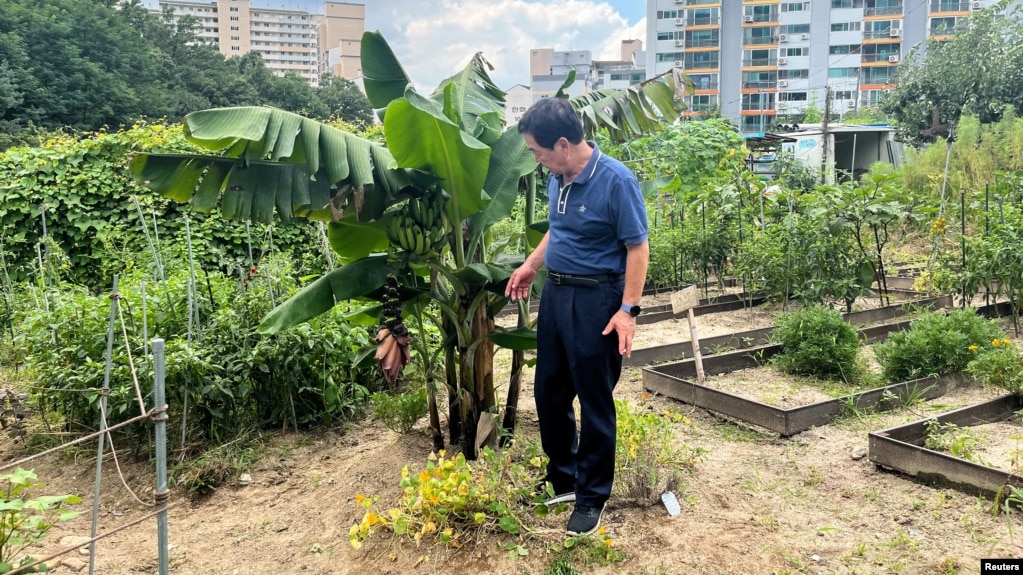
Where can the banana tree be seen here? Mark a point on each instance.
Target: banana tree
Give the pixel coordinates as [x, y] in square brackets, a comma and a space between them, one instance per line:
[413, 214]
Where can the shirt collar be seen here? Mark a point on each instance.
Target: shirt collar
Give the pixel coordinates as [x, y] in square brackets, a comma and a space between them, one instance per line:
[590, 167]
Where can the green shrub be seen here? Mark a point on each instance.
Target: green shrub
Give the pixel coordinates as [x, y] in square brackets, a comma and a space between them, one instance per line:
[25, 522]
[816, 341]
[936, 343]
[400, 411]
[999, 365]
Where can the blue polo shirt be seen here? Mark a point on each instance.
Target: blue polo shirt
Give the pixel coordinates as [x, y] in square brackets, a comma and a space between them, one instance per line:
[594, 217]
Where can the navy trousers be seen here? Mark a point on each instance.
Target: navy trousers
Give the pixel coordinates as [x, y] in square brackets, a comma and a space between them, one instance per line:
[575, 360]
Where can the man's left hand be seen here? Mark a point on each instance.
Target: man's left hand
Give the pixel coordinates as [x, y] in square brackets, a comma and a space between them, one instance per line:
[625, 325]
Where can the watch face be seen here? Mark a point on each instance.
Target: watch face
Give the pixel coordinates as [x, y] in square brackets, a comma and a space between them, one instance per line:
[634, 311]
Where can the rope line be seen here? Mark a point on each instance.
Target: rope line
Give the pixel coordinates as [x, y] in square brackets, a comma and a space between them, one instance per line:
[82, 439]
[131, 362]
[117, 462]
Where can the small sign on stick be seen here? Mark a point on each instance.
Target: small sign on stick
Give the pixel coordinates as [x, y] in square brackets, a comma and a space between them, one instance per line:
[684, 300]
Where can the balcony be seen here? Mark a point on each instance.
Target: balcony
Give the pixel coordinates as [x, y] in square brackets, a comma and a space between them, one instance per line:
[703, 43]
[949, 6]
[707, 21]
[773, 61]
[882, 10]
[771, 16]
[702, 64]
[883, 33]
[759, 85]
[759, 40]
[883, 57]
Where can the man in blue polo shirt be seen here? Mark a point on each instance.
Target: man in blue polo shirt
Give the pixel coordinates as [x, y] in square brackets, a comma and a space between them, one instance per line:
[596, 253]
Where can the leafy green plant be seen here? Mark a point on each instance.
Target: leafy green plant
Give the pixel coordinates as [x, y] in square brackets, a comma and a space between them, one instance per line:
[399, 411]
[961, 442]
[648, 459]
[450, 497]
[26, 521]
[936, 343]
[816, 341]
[998, 364]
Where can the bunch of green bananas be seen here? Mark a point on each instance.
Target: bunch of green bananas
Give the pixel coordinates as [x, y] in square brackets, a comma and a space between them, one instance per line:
[420, 227]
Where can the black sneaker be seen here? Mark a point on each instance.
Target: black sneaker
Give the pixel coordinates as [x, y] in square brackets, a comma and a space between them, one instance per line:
[585, 520]
[548, 494]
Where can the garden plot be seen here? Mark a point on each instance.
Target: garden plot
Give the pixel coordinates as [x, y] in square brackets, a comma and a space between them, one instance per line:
[986, 433]
[798, 409]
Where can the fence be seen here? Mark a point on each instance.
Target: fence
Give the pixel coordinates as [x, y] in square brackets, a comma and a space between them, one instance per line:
[157, 415]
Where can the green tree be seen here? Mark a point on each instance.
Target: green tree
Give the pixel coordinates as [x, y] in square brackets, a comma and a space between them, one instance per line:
[978, 71]
[449, 152]
[344, 100]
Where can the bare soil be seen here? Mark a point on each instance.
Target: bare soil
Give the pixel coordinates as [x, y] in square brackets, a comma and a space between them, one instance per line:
[758, 504]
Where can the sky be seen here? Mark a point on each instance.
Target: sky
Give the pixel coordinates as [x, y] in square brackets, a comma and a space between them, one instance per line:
[435, 38]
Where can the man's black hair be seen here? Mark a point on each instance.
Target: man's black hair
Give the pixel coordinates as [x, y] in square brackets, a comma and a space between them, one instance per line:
[551, 119]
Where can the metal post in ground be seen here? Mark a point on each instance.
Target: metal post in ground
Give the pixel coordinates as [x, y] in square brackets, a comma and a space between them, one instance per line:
[160, 419]
[102, 424]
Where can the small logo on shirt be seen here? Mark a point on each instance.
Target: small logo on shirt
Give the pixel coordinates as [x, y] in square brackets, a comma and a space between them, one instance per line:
[582, 208]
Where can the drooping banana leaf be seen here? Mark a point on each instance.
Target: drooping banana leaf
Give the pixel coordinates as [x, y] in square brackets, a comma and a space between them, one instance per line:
[475, 102]
[635, 110]
[274, 160]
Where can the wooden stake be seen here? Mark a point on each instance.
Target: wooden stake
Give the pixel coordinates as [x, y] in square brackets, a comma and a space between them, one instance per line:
[697, 357]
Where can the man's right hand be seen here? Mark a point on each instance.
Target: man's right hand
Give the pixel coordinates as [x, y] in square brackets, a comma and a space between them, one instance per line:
[520, 282]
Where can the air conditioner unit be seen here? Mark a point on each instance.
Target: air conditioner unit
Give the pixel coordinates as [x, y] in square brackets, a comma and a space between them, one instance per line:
[976, 5]
[747, 18]
[783, 83]
[678, 63]
[893, 58]
[679, 42]
[895, 32]
[804, 36]
[679, 21]
[783, 61]
[783, 37]
[851, 103]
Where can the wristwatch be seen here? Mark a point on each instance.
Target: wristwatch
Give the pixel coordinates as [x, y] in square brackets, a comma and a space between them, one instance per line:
[632, 310]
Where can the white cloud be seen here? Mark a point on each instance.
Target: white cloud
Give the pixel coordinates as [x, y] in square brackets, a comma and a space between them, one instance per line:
[435, 38]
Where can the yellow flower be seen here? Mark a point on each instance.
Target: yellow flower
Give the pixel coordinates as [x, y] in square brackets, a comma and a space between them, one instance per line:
[995, 342]
[1006, 342]
[973, 348]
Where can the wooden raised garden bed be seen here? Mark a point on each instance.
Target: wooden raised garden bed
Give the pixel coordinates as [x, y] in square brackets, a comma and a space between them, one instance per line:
[759, 337]
[677, 380]
[902, 448]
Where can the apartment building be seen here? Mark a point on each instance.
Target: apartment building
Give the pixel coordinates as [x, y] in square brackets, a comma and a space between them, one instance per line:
[757, 59]
[287, 40]
[548, 71]
[628, 70]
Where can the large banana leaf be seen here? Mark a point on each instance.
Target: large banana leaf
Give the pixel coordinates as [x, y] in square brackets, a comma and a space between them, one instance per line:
[472, 100]
[635, 110]
[356, 279]
[422, 137]
[383, 77]
[268, 157]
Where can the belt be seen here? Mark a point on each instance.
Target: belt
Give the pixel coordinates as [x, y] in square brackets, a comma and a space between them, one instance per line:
[559, 279]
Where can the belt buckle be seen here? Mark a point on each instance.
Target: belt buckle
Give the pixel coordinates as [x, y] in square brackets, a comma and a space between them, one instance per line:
[555, 278]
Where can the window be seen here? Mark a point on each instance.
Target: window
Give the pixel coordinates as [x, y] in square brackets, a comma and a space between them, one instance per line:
[234, 18]
[843, 95]
[702, 38]
[793, 74]
[235, 38]
[943, 26]
[842, 72]
[701, 60]
[791, 52]
[847, 3]
[703, 102]
[665, 14]
[845, 27]
[796, 29]
[792, 96]
[764, 101]
[668, 56]
[235, 48]
[704, 81]
[234, 8]
[795, 6]
[234, 29]
[665, 35]
[844, 49]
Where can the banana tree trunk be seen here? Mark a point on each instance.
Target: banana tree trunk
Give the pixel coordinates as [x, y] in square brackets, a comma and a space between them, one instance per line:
[476, 386]
[511, 409]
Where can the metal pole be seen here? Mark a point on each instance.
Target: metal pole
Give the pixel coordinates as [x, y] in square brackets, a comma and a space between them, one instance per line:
[102, 425]
[162, 493]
